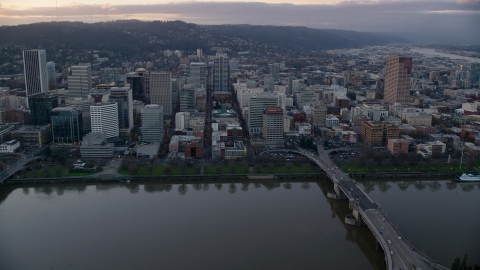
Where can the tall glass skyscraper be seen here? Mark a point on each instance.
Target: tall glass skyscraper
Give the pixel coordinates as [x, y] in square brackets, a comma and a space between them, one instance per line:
[41, 106]
[67, 125]
[35, 67]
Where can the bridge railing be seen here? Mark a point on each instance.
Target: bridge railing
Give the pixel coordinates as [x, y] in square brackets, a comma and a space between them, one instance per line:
[379, 237]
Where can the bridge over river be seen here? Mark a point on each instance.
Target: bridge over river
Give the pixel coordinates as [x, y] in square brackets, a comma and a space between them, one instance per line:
[399, 254]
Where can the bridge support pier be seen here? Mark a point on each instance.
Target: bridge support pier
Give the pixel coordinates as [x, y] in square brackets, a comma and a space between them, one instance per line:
[355, 218]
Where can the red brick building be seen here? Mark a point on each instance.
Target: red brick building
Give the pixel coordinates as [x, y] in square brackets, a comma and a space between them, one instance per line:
[194, 150]
[397, 146]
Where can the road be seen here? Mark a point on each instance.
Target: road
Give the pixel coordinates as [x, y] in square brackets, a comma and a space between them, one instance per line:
[24, 159]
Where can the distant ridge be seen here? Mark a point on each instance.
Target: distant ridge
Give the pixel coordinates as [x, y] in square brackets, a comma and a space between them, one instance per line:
[130, 36]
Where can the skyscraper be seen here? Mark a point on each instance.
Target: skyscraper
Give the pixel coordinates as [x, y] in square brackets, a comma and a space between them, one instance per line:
[123, 97]
[67, 125]
[35, 67]
[161, 90]
[221, 73]
[273, 126]
[52, 76]
[187, 98]
[41, 106]
[108, 75]
[152, 123]
[255, 114]
[397, 79]
[196, 73]
[105, 119]
[80, 82]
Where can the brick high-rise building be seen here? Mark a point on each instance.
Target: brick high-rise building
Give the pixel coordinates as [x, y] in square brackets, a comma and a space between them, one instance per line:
[397, 79]
[273, 126]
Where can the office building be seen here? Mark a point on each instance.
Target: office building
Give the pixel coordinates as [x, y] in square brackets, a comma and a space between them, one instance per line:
[255, 112]
[161, 90]
[41, 106]
[123, 97]
[80, 81]
[104, 119]
[67, 125]
[319, 115]
[275, 71]
[35, 68]
[9, 147]
[108, 75]
[32, 135]
[332, 121]
[94, 145]
[152, 123]
[273, 127]
[397, 79]
[187, 98]
[84, 105]
[197, 73]
[51, 73]
[182, 120]
[137, 82]
[221, 73]
[378, 133]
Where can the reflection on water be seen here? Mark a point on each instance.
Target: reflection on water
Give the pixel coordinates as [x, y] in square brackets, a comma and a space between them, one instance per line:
[440, 216]
[241, 225]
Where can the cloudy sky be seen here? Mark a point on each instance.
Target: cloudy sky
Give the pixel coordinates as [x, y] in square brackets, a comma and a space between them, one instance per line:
[454, 20]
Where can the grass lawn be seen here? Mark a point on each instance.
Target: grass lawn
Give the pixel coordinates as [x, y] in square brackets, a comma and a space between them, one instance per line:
[80, 173]
[158, 170]
[48, 171]
[212, 169]
[355, 168]
[293, 169]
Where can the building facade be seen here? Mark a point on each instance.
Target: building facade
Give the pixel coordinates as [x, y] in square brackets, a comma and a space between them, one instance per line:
[221, 73]
[104, 118]
[273, 127]
[51, 73]
[124, 99]
[80, 81]
[35, 68]
[187, 98]
[197, 73]
[41, 106]
[256, 110]
[319, 116]
[152, 123]
[397, 79]
[161, 90]
[67, 125]
[378, 133]
[94, 145]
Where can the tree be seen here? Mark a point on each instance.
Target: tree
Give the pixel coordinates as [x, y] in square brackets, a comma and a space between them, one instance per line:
[218, 169]
[306, 166]
[456, 264]
[370, 164]
[48, 151]
[167, 169]
[132, 168]
[270, 166]
[62, 159]
[257, 168]
[150, 168]
[289, 166]
[232, 165]
[386, 163]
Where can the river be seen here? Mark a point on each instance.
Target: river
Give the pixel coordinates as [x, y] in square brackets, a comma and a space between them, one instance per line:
[267, 225]
[433, 52]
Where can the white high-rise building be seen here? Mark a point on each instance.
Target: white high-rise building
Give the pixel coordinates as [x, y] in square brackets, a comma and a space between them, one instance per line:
[152, 123]
[161, 90]
[221, 73]
[80, 82]
[244, 95]
[255, 113]
[182, 120]
[197, 73]
[52, 75]
[105, 119]
[35, 67]
[123, 97]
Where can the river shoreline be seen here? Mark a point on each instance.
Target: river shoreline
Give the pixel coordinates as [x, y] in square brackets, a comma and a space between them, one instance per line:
[222, 177]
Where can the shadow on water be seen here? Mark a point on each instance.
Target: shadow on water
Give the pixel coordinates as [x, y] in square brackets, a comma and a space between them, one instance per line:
[361, 236]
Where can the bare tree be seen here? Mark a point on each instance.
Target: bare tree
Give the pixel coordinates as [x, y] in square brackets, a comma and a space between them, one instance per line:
[150, 168]
[232, 164]
[133, 168]
[167, 169]
[270, 166]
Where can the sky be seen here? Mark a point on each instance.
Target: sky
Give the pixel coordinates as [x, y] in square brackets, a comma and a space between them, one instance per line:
[450, 20]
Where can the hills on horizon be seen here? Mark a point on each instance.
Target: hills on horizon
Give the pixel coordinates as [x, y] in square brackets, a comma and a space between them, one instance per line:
[129, 36]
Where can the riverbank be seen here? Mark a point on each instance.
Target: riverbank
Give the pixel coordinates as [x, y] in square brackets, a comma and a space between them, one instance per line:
[222, 177]
[166, 178]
